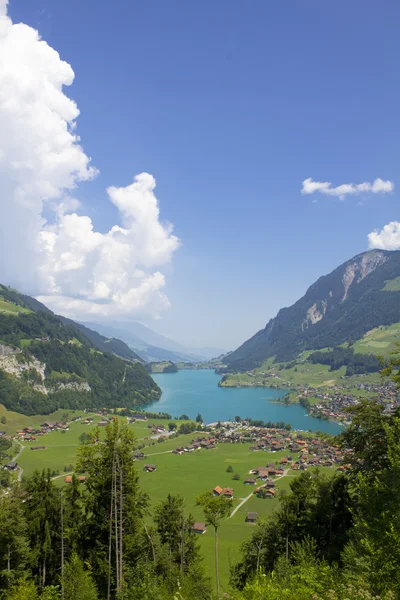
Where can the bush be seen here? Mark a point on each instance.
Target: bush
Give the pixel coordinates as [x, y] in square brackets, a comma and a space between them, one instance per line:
[229, 469]
[236, 476]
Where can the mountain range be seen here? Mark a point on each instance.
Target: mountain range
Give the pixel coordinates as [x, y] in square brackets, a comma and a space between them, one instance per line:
[359, 295]
[152, 346]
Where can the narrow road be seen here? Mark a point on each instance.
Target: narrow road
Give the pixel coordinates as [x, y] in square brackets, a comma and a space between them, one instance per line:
[155, 453]
[239, 505]
[250, 495]
[15, 459]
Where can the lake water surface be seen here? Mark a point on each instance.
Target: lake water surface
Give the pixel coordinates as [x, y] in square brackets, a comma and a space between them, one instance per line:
[193, 392]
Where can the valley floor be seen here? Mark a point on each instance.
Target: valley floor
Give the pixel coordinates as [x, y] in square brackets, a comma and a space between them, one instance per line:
[188, 474]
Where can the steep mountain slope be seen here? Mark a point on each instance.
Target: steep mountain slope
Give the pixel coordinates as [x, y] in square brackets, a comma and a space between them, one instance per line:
[361, 294]
[47, 362]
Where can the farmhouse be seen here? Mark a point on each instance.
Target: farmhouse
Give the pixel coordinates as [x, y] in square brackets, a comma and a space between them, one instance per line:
[227, 492]
[250, 481]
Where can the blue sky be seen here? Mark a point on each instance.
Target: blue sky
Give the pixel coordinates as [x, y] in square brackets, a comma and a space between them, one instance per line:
[230, 105]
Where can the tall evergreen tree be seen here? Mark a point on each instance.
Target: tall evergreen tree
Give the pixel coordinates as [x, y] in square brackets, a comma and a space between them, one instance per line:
[14, 545]
[114, 504]
[42, 511]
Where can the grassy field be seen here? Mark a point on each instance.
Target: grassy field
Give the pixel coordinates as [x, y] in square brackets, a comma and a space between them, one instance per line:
[11, 309]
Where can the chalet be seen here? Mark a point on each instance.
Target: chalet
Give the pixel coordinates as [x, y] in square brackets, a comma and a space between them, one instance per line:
[279, 471]
[82, 479]
[139, 417]
[68, 479]
[139, 455]
[102, 423]
[251, 517]
[257, 469]
[250, 481]
[150, 468]
[270, 493]
[217, 491]
[263, 474]
[270, 483]
[199, 528]
[49, 425]
[11, 466]
[227, 492]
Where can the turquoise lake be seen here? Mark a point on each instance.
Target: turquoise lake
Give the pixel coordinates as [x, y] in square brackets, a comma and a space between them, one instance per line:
[193, 392]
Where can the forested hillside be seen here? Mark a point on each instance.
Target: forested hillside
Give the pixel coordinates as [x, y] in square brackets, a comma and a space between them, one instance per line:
[358, 296]
[47, 362]
[26, 304]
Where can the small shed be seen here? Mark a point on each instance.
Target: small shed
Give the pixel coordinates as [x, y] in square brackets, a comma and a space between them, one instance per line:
[251, 517]
[150, 468]
[199, 528]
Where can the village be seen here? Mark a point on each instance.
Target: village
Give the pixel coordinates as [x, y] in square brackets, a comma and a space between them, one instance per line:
[335, 401]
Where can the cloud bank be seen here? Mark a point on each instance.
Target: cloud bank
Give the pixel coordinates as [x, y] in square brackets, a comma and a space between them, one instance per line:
[325, 187]
[60, 258]
[388, 238]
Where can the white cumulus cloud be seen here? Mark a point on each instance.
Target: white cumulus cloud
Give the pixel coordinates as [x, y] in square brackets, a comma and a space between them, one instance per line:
[388, 238]
[62, 259]
[325, 187]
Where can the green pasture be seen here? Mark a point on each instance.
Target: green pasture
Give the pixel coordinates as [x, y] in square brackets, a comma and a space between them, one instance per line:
[381, 341]
[192, 473]
[9, 308]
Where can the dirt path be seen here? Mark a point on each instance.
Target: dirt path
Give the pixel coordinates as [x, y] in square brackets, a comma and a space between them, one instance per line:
[250, 495]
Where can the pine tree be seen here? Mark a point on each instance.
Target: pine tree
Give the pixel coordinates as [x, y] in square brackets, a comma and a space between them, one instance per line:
[14, 545]
[42, 511]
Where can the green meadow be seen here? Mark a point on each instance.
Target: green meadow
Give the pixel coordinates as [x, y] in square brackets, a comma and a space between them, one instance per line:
[9, 308]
